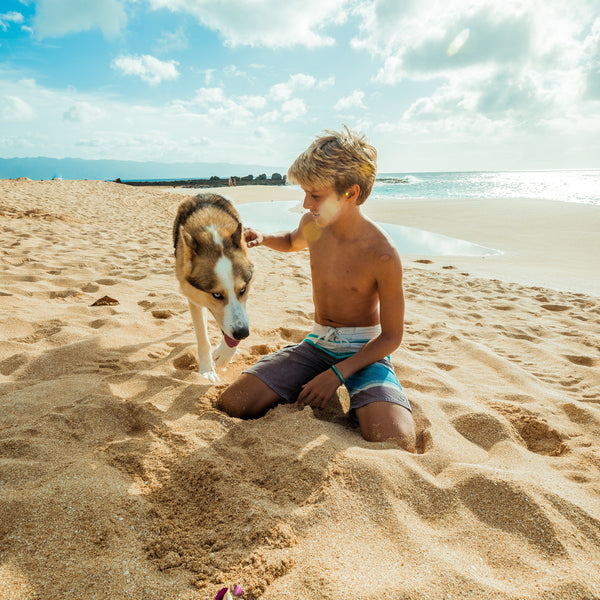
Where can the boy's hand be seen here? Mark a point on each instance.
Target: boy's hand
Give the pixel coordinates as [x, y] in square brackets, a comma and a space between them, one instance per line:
[320, 390]
[252, 238]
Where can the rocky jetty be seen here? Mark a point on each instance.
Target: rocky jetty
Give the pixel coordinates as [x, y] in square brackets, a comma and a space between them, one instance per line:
[214, 181]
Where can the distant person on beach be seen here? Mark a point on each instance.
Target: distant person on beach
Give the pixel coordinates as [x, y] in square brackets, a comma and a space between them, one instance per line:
[357, 294]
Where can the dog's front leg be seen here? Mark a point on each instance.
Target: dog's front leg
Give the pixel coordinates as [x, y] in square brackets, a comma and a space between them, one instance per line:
[206, 367]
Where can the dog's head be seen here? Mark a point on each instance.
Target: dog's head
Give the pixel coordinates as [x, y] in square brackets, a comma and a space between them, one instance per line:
[214, 271]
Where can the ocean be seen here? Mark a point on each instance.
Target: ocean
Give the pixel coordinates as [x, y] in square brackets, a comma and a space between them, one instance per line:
[580, 186]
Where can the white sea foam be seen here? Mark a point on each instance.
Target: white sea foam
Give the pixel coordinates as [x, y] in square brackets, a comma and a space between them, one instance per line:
[580, 186]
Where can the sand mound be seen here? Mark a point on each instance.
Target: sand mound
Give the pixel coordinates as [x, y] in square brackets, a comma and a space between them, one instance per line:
[121, 479]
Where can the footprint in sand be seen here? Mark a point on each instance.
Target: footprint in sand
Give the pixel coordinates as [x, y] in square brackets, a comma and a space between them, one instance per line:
[582, 361]
[18, 448]
[580, 415]
[292, 335]
[506, 506]
[262, 349]
[110, 364]
[538, 436]
[42, 330]
[445, 366]
[556, 307]
[13, 363]
[502, 307]
[108, 281]
[483, 429]
[187, 361]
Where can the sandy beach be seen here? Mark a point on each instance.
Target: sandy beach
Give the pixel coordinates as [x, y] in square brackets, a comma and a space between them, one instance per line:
[120, 479]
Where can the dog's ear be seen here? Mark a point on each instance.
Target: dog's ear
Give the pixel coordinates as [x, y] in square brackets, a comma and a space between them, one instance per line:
[190, 246]
[237, 236]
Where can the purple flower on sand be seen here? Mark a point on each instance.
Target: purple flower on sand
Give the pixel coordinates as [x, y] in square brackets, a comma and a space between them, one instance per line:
[221, 594]
[225, 594]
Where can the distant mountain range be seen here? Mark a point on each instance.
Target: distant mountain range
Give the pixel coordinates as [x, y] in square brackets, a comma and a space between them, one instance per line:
[77, 168]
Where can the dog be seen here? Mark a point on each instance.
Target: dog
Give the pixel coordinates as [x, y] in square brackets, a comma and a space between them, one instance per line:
[214, 273]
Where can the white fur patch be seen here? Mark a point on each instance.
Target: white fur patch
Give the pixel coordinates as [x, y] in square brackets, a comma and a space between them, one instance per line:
[224, 271]
[216, 236]
[235, 315]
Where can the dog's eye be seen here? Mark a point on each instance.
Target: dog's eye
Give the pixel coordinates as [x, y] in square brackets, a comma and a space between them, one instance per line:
[242, 291]
[218, 296]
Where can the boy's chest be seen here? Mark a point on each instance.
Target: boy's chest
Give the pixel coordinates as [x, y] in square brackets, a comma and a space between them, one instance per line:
[344, 266]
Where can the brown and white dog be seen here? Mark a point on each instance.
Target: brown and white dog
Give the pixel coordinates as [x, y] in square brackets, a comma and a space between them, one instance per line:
[214, 273]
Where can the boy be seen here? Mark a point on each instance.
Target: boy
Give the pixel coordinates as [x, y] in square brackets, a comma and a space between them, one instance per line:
[357, 295]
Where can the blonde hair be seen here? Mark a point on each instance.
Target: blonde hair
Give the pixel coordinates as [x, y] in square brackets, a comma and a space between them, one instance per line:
[338, 160]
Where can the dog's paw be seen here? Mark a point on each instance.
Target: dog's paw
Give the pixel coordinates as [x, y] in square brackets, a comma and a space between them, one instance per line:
[206, 368]
[210, 375]
[222, 354]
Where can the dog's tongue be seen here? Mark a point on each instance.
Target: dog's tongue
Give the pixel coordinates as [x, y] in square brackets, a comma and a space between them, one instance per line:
[230, 342]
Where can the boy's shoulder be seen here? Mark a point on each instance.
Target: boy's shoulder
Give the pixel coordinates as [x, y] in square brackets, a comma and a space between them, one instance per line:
[376, 250]
[377, 236]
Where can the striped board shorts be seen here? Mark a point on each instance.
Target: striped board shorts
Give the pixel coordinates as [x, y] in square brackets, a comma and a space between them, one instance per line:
[287, 370]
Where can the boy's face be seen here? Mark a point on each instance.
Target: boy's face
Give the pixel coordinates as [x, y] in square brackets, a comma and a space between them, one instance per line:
[324, 204]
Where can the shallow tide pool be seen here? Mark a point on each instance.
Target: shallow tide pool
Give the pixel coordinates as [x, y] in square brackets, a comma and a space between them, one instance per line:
[281, 216]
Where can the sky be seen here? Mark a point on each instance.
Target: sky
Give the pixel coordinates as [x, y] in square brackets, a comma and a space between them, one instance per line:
[450, 85]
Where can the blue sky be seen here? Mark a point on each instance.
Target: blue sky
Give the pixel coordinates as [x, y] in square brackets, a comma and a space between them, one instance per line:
[435, 85]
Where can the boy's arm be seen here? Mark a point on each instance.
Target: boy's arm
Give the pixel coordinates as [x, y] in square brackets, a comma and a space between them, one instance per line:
[388, 273]
[284, 241]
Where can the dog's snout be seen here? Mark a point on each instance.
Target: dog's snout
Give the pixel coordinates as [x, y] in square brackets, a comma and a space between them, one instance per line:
[240, 333]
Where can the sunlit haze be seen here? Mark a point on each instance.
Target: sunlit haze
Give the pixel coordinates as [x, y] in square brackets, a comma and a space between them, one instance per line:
[436, 86]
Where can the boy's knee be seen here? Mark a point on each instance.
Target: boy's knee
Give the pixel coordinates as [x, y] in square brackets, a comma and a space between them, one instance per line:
[382, 421]
[231, 402]
[247, 398]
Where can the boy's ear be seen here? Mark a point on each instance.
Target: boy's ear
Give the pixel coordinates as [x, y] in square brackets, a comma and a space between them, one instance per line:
[352, 192]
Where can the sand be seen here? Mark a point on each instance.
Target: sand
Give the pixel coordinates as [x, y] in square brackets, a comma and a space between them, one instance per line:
[120, 479]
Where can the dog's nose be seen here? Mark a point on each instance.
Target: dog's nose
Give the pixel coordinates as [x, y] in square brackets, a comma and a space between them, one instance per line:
[240, 333]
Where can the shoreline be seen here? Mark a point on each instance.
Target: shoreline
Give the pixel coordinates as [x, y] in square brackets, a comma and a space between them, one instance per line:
[527, 231]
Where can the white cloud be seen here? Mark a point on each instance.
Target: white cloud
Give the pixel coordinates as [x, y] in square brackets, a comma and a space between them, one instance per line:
[55, 18]
[11, 17]
[213, 104]
[283, 91]
[495, 67]
[210, 127]
[326, 83]
[270, 23]
[209, 75]
[149, 68]
[292, 109]
[213, 95]
[426, 41]
[233, 71]
[14, 108]
[253, 102]
[83, 112]
[591, 49]
[355, 100]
